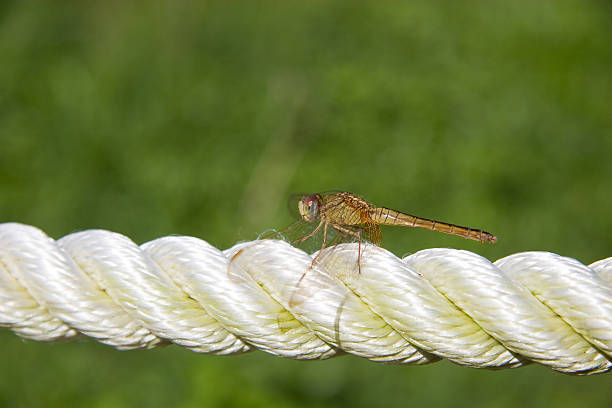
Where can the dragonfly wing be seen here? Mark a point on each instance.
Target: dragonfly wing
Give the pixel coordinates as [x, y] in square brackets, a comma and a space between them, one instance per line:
[371, 232]
[368, 231]
[288, 233]
[301, 234]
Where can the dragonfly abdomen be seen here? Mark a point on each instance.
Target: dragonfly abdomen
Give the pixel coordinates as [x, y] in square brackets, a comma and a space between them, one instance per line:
[387, 216]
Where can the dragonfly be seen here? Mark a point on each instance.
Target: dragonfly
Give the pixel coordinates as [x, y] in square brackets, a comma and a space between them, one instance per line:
[348, 217]
[351, 216]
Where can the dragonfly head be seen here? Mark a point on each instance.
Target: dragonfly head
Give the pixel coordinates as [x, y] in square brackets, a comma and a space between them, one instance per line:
[310, 207]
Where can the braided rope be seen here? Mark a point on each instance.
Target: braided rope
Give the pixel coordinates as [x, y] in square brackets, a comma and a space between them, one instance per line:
[437, 303]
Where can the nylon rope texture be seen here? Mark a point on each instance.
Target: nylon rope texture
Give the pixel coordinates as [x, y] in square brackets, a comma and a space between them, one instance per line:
[530, 307]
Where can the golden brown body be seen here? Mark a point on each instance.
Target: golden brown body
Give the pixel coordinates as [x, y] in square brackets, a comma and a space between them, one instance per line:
[350, 214]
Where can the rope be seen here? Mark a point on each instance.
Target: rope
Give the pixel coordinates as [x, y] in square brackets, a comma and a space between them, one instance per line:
[435, 304]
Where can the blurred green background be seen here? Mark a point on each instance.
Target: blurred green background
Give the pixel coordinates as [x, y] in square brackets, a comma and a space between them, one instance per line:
[200, 118]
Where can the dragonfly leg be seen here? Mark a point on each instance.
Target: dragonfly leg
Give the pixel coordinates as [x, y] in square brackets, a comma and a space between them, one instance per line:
[322, 246]
[312, 233]
[324, 236]
[316, 258]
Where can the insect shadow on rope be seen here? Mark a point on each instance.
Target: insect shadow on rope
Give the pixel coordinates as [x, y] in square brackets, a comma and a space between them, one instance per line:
[288, 319]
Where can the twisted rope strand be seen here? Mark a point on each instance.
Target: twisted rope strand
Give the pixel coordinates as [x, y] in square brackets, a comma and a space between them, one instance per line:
[435, 304]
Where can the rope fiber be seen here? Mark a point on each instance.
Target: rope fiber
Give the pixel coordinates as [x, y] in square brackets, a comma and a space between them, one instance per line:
[530, 307]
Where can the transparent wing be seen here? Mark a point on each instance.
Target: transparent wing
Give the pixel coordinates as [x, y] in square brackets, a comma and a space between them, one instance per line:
[291, 232]
[371, 232]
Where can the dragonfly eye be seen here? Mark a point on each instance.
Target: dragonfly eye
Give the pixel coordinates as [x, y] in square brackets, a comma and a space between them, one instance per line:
[314, 210]
[308, 207]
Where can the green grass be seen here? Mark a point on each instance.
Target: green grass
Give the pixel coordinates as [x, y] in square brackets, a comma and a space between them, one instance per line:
[169, 118]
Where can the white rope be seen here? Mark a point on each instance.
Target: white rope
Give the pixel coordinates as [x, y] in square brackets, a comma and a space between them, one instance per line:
[437, 303]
